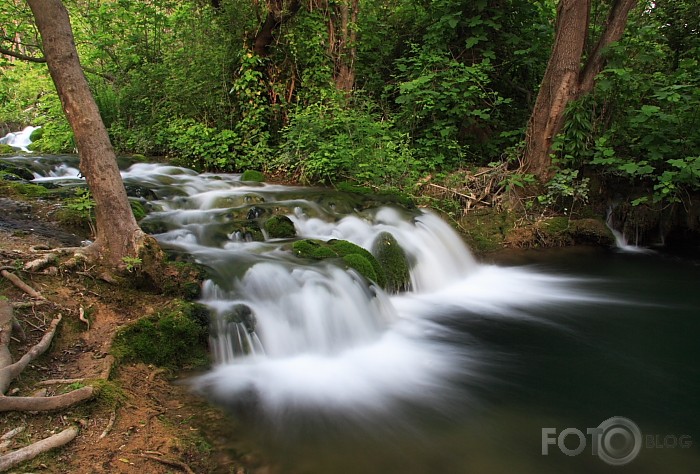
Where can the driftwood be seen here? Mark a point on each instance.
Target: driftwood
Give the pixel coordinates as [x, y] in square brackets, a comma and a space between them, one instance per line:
[33, 450]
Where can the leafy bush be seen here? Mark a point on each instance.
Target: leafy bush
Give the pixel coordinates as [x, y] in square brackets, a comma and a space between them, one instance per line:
[330, 143]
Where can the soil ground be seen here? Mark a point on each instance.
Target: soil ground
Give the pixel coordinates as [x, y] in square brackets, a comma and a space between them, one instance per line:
[155, 413]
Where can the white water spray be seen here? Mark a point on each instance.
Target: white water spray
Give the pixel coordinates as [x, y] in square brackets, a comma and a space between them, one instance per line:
[19, 140]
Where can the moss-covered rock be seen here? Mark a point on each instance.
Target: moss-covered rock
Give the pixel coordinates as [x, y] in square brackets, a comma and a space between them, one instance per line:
[392, 259]
[138, 209]
[175, 337]
[362, 265]
[253, 175]
[352, 256]
[280, 227]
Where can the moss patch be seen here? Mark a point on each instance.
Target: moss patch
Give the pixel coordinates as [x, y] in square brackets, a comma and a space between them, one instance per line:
[175, 337]
[392, 259]
[253, 175]
[280, 227]
[352, 255]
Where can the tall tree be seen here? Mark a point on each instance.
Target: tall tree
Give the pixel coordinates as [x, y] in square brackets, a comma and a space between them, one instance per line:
[118, 234]
[567, 77]
[343, 40]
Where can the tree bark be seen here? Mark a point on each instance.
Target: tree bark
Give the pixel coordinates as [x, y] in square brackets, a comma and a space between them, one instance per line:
[118, 234]
[277, 14]
[345, 48]
[564, 79]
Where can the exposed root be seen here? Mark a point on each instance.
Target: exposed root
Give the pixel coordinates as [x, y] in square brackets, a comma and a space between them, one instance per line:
[169, 462]
[81, 316]
[110, 425]
[40, 263]
[33, 450]
[17, 281]
[58, 402]
[11, 371]
[44, 383]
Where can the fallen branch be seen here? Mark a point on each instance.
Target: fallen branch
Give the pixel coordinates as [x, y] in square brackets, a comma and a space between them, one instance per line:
[169, 462]
[10, 372]
[17, 281]
[58, 402]
[33, 450]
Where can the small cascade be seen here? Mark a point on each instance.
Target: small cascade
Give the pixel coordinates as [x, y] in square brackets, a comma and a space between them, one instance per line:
[621, 241]
[19, 140]
[292, 332]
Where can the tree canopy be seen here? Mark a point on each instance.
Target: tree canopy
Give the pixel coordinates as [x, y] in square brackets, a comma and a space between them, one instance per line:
[378, 93]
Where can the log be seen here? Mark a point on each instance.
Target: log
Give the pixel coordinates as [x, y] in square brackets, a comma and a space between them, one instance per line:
[10, 460]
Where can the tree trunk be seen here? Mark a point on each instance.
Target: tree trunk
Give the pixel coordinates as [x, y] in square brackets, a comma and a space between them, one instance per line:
[564, 79]
[118, 234]
[345, 44]
[277, 14]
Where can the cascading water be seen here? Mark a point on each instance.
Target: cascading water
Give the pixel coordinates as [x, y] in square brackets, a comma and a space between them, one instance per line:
[20, 139]
[312, 335]
[326, 372]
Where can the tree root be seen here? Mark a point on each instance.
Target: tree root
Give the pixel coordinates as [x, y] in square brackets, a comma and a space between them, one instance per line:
[110, 424]
[169, 462]
[17, 281]
[10, 372]
[58, 402]
[33, 450]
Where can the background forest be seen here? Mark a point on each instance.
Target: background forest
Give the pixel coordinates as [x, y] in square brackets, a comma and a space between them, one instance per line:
[380, 93]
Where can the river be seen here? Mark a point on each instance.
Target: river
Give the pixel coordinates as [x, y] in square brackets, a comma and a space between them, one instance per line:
[576, 360]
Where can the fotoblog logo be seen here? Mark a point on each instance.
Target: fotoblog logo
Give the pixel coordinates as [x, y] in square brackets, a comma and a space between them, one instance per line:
[617, 440]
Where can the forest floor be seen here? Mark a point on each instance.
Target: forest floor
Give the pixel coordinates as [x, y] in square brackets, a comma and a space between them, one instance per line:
[144, 419]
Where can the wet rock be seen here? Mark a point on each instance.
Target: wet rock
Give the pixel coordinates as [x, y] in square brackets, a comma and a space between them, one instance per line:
[393, 260]
[279, 227]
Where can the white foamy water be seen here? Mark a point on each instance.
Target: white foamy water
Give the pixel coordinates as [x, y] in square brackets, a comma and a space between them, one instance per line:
[291, 333]
[20, 139]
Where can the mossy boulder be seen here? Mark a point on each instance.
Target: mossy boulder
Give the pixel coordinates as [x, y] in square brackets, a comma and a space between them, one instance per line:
[351, 254]
[392, 259]
[279, 227]
[6, 149]
[253, 175]
[175, 337]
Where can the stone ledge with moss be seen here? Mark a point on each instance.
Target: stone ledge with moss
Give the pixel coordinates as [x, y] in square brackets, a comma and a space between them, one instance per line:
[253, 176]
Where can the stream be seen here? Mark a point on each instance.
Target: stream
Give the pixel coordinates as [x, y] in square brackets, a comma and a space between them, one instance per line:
[479, 367]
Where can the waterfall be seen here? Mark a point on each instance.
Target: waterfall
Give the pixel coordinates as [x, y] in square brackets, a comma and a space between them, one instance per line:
[621, 241]
[19, 140]
[296, 334]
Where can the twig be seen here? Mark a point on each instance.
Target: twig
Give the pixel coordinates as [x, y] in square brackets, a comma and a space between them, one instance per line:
[29, 304]
[169, 462]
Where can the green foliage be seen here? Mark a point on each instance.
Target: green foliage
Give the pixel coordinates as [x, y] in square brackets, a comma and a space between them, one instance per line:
[131, 263]
[174, 337]
[565, 190]
[328, 142]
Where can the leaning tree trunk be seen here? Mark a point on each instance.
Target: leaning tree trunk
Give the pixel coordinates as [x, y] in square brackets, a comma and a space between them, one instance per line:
[118, 234]
[565, 79]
